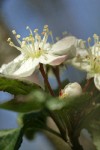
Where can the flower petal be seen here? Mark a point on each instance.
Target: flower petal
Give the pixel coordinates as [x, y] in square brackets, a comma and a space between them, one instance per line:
[38, 79]
[97, 81]
[10, 68]
[20, 67]
[90, 75]
[52, 59]
[83, 53]
[27, 67]
[79, 64]
[71, 90]
[65, 46]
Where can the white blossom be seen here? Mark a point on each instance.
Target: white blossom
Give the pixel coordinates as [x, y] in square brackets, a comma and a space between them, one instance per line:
[35, 50]
[67, 45]
[89, 60]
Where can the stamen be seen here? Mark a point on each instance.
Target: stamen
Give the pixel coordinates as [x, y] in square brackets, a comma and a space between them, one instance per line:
[28, 28]
[18, 36]
[11, 44]
[32, 46]
[9, 39]
[45, 26]
[36, 30]
[89, 41]
[96, 38]
[14, 32]
[23, 44]
[51, 37]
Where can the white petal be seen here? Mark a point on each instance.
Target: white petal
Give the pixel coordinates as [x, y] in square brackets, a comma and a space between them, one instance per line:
[73, 89]
[82, 52]
[95, 50]
[38, 79]
[10, 68]
[97, 81]
[47, 46]
[27, 67]
[52, 59]
[85, 66]
[90, 75]
[63, 46]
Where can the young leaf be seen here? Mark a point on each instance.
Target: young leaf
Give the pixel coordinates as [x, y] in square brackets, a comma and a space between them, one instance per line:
[22, 103]
[8, 139]
[33, 122]
[15, 86]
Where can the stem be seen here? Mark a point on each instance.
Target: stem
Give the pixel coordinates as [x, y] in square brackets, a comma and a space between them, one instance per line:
[87, 85]
[52, 115]
[46, 79]
[61, 129]
[56, 72]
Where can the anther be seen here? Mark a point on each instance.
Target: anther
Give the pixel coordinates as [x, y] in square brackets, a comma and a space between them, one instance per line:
[13, 31]
[27, 27]
[18, 36]
[36, 30]
[9, 39]
[45, 26]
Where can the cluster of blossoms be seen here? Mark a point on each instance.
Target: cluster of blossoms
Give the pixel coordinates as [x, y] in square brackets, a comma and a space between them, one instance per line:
[35, 50]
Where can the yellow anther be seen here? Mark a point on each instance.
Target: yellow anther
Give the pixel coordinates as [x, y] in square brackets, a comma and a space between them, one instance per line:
[89, 39]
[9, 39]
[13, 31]
[96, 38]
[27, 27]
[18, 36]
[45, 26]
[36, 30]
[11, 44]
[23, 43]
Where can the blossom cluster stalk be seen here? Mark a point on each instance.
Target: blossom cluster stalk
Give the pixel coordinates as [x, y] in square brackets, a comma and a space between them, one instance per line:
[46, 80]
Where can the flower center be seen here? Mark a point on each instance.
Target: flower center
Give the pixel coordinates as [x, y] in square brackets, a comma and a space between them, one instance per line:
[94, 55]
[34, 45]
[95, 64]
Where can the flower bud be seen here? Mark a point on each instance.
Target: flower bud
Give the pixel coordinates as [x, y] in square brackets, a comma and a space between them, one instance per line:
[70, 90]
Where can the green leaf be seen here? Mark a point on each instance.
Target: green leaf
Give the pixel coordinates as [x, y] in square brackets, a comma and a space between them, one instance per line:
[8, 139]
[15, 86]
[22, 103]
[33, 122]
[55, 104]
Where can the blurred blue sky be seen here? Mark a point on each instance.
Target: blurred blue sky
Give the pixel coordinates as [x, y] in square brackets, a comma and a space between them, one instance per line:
[78, 17]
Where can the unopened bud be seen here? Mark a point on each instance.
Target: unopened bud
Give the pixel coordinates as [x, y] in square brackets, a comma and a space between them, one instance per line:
[71, 90]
